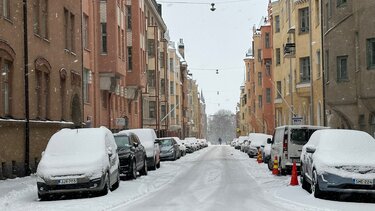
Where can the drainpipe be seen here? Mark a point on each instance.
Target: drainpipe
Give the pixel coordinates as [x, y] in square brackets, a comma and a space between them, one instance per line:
[311, 69]
[322, 54]
[26, 87]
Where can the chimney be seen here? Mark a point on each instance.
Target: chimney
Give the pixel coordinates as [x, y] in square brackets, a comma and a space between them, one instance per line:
[181, 48]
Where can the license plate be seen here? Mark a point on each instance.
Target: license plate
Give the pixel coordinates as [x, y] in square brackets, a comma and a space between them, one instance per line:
[363, 181]
[67, 181]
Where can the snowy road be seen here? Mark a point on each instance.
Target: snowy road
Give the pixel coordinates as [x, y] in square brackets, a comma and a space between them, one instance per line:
[215, 178]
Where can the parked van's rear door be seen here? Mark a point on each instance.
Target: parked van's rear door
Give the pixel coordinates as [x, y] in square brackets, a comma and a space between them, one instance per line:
[298, 138]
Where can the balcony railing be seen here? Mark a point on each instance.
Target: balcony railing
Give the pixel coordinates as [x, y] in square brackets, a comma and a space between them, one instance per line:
[290, 50]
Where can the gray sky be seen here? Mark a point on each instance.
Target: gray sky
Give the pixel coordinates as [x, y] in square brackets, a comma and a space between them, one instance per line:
[215, 40]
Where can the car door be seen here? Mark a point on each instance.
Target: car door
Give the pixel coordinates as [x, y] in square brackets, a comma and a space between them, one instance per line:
[137, 150]
[111, 148]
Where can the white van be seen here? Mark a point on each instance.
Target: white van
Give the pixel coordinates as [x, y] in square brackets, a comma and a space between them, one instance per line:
[287, 144]
[148, 137]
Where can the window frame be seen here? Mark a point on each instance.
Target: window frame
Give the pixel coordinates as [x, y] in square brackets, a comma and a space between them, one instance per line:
[340, 76]
[370, 53]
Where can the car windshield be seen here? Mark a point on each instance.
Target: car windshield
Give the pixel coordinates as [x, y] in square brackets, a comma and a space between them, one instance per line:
[301, 136]
[165, 142]
[122, 141]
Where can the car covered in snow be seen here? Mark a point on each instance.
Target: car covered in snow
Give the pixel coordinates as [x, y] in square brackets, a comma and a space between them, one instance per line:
[169, 149]
[241, 140]
[148, 137]
[338, 160]
[181, 145]
[258, 142]
[132, 154]
[78, 160]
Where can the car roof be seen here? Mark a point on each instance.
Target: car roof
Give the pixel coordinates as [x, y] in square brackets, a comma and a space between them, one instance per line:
[303, 127]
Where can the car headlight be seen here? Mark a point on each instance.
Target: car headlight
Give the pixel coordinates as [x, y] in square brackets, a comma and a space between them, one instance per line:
[171, 150]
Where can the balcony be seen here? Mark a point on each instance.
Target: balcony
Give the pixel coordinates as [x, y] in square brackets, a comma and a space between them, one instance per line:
[290, 50]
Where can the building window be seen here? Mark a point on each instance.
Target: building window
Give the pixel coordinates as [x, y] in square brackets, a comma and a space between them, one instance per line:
[248, 75]
[340, 2]
[162, 86]
[279, 90]
[151, 48]
[6, 9]
[260, 101]
[41, 18]
[129, 17]
[163, 111]
[342, 68]
[152, 109]
[151, 78]
[130, 60]
[278, 56]
[259, 78]
[259, 55]
[304, 20]
[63, 96]
[171, 66]
[362, 122]
[371, 53]
[69, 31]
[171, 87]
[277, 23]
[86, 85]
[85, 31]
[104, 99]
[267, 40]
[304, 69]
[161, 57]
[5, 82]
[317, 12]
[42, 82]
[173, 113]
[268, 66]
[268, 95]
[104, 37]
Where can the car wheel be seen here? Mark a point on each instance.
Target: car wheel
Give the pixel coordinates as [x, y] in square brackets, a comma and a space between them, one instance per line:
[158, 165]
[133, 173]
[144, 169]
[270, 165]
[315, 186]
[117, 183]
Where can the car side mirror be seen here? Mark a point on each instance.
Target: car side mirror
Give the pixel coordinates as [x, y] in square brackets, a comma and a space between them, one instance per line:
[157, 141]
[135, 144]
[109, 151]
[310, 149]
[269, 141]
[262, 146]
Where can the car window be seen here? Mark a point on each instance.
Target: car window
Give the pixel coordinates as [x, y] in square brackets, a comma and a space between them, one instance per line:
[122, 141]
[301, 136]
[166, 142]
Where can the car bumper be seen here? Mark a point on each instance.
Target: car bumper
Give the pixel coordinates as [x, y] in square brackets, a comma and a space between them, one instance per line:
[125, 165]
[252, 152]
[335, 183]
[82, 185]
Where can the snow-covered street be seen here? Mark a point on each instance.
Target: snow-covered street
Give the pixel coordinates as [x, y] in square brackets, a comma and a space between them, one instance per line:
[214, 178]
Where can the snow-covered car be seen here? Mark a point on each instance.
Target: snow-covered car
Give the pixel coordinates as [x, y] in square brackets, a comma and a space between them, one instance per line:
[132, 154]
[266, 154]
[338, 160]
[169, 149]
[148, 137]
[246, 146]
[240, 141]
[258, 142]
[78, 160]
[192, 144]
[182, 146]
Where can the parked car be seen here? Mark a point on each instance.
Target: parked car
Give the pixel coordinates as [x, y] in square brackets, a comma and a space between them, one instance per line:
[182, 146]
[148, 137]
[339, 161]
[258, 142]
[169, 149]
[266, 153]
[240, 141]
[132, 154]
[78, 160]
[287, 144]
[192, 143]
[246, 146]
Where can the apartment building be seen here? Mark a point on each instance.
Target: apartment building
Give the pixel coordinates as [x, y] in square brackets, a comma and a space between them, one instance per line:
[296, 33]
[41, 78]
[349, 64]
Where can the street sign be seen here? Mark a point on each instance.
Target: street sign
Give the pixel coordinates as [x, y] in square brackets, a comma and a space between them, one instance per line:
[120, 121]
[297, 120]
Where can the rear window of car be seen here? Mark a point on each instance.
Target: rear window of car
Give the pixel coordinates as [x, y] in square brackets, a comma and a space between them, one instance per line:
[301, 136]
[122, 141]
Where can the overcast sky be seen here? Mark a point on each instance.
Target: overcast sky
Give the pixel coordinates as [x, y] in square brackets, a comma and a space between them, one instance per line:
[215, 40]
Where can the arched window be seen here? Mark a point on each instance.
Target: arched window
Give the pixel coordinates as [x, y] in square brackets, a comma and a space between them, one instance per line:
[42, 88]
[7, 56]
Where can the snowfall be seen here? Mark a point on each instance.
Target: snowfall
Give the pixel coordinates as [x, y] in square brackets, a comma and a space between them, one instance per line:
[214, 178]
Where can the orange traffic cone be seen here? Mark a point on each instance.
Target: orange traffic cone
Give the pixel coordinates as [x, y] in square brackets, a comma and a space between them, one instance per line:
[259, 157]
[275, 170]
[294, 179]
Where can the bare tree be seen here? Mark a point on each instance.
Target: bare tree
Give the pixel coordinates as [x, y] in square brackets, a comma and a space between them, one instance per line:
[222, 125]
